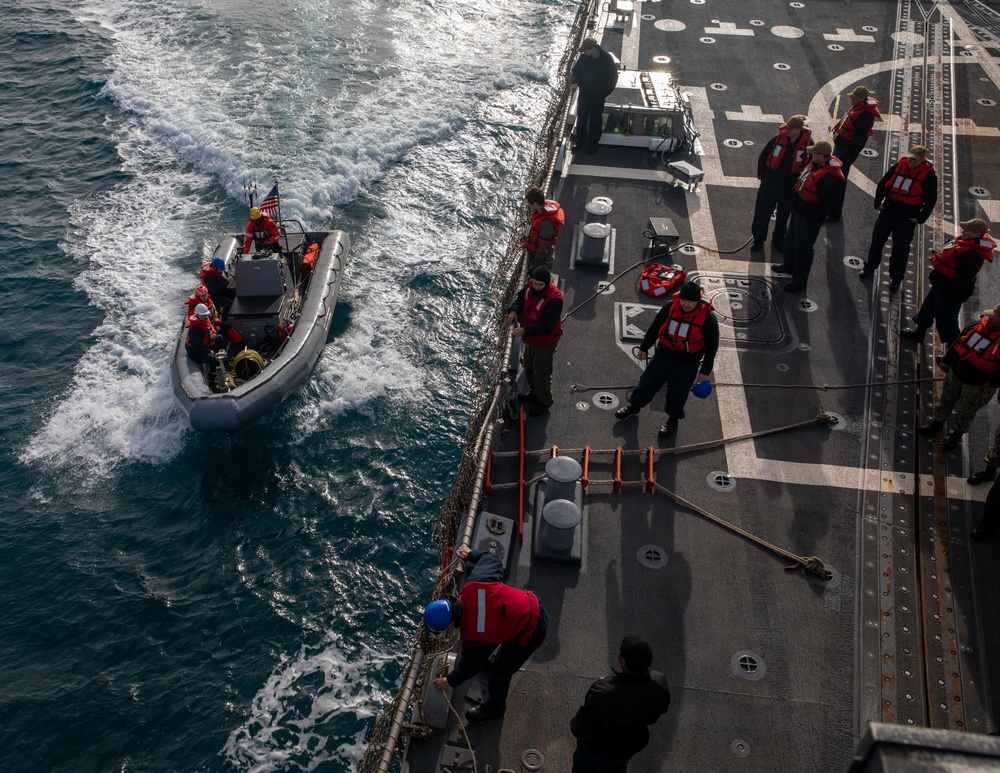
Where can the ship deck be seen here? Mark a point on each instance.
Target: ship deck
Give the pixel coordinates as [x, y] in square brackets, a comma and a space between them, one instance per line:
[769, 668]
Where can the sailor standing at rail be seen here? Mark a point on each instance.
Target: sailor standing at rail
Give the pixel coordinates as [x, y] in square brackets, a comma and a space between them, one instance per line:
[686, 334]
[545, 220]
[489, 614]
[905, 197]
[594, 77]
[539, 306]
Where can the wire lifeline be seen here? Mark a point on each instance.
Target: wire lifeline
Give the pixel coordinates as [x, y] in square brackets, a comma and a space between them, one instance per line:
[824, 387]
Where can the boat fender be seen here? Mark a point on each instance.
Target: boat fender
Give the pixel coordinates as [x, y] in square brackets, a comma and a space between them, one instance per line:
[248, 364]
[657, 280]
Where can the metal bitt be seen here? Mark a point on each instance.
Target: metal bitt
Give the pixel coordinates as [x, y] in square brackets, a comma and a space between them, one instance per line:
[595, 243]
[561, 514]
[598, 209]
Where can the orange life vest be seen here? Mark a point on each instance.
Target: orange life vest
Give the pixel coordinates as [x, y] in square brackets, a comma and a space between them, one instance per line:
[807, 186]
[846, 127]
[684, 331]
[264, 232]
[906, 186]
[497, 613]
[532, 313]
[980, 347]
[203, 328]
[194, 300]
[943, 261]
[552, 212]
[781, 146]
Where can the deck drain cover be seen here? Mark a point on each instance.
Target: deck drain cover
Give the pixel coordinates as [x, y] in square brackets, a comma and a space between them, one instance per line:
[732, 143]
[583, 406]
[721, 481]
[804, 304]
[606, 400]
[869, 28]
[986, 102]
[532, 759]
[719, 86]
[782, 66]
[707, 39]
[740, 748]
[605, 288]
[652, 556]
[748, 665]
[757, 22]
[979, 191]
[869, 153]
[853, 261]
[835, 47]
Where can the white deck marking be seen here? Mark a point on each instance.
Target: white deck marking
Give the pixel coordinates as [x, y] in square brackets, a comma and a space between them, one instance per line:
[729, 28]
[966, 126]
[848, 36]
[630, 43]
[991, 208]
[754, 113]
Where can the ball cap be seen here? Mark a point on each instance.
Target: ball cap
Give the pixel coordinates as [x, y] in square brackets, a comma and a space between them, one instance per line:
[588, 43]
[794, 122]
[860, 91]
[822, 147]
[976, 225]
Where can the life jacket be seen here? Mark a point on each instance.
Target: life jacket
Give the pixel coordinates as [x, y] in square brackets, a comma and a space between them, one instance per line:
[906, 186]
[980, 347]
[551, 211]
[207, 270]
[684, 331]
[496, 613]
[266, 232]
[807, 186]
[532, 313]
[782, 145]
[943, 261]
[657, 280]
[201, 333]
[309, 260]
[846, 127]
[194, 300]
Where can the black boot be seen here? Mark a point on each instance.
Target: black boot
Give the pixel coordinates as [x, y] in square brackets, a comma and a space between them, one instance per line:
[484, 712]
[912, 333]
[626, 410]
[986, 474]
[954, 439]
[931, 428]
[669, 427]
[527, 397]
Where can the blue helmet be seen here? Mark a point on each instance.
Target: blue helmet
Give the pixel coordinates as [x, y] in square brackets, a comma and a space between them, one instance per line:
[702, 389]
[219, 263]
[437, 616]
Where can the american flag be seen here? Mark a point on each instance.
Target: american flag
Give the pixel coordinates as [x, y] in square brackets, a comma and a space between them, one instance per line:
[270, 203]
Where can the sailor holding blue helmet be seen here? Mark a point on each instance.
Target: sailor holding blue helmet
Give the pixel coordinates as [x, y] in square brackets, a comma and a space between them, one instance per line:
[489, 614]
[686, 334]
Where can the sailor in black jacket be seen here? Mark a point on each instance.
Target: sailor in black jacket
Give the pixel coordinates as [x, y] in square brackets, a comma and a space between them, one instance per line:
[613, 723]
[594, 76]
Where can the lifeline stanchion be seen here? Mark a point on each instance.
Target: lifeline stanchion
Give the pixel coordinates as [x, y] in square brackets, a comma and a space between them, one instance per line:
[489, 474]
[585, 478]
[618, 468]
[650, 476]
[520, 479]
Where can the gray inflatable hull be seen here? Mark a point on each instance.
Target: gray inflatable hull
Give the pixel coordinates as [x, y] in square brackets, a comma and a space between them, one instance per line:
[229, 411]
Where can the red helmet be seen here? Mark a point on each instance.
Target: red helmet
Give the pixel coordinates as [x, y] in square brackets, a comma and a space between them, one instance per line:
[201, 291]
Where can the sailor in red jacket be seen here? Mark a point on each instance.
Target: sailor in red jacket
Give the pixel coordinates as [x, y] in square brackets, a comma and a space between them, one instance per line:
[971, 378]
[851, 132]
[953, 280]
[905, 196]
[202, 337]
[818, 192]
[778, 167]
[546, 219]
[262, 231]
[489, 614]
[539, 306]
[686, 334]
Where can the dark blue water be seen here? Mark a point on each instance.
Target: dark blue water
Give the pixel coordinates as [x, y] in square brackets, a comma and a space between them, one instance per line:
[172, 601]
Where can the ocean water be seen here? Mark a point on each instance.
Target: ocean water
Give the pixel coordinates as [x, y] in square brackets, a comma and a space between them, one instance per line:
[171, 601]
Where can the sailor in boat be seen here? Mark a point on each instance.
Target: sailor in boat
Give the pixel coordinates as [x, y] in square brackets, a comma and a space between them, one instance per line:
[202, 337]
[213, 275]
[262, 232]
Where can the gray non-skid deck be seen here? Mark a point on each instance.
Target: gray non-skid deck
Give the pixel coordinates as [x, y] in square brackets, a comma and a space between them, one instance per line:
[902, 632]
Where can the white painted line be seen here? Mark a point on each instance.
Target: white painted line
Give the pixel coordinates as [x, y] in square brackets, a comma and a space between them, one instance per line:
[728, 28]
[991, 208]
[848, 36]
[754, 113]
